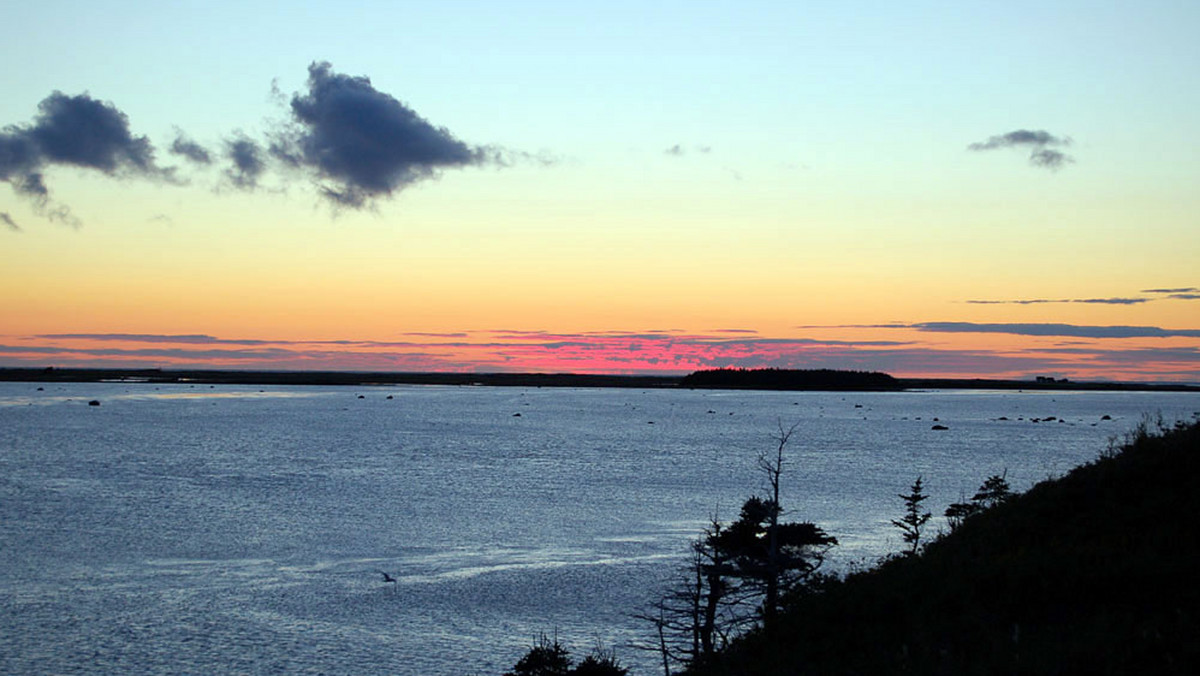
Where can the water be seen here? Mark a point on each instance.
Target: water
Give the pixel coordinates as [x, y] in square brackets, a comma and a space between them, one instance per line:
[188, 529]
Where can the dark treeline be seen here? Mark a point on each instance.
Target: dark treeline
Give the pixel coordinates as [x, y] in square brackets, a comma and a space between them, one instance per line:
[765, 379]
[239, 377]
[789, 379]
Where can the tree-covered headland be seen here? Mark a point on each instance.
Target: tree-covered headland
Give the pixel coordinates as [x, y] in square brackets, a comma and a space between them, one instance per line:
[1091, 573]
[790, 379]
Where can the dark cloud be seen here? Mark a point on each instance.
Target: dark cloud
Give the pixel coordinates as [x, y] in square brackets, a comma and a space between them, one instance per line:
[356, 143]
[1039, 143]
[1185, 296]
[82, 131]
[1134, 355]
[362, 144]
[248, 162]
[678, 150]
[1024, 301]
[1071, 330]
[150, 338]
[1043, 301]
[434, 334]
[1020, 137]
[1189, 289]
[74, 131]
[1050, 159]
[9, 222]
[187, 148]
[1112, 301]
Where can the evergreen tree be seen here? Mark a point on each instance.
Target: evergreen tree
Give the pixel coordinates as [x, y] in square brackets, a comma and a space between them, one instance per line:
[993, 491]
[914, 519]
[739, 573]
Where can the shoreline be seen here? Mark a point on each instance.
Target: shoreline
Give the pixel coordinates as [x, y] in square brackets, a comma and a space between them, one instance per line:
[361, 379]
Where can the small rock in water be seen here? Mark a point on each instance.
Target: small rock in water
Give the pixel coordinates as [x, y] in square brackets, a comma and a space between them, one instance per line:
[94, 402]
[939, 427]
[516, 415]
[1106, 417]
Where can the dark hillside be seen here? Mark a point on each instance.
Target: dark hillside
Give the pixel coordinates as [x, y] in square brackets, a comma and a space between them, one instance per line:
[1093, 573]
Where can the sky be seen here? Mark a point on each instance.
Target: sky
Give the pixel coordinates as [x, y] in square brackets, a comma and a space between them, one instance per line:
[958, 189]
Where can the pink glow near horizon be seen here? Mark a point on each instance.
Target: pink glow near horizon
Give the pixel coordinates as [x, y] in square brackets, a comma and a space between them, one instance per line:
[653, 352]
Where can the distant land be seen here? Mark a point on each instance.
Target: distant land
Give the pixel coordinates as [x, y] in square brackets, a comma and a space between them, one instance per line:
[756, 379]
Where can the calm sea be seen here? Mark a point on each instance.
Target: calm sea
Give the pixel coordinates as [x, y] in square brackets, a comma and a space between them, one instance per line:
[196, 529]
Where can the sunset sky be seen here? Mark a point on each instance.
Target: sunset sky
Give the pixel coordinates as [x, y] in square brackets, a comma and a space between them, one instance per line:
[968, 189]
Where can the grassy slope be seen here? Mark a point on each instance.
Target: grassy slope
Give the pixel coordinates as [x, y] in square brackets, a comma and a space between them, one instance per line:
[1093, 573]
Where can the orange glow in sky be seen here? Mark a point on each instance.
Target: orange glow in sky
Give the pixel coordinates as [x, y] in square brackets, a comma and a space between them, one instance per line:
[999, 191]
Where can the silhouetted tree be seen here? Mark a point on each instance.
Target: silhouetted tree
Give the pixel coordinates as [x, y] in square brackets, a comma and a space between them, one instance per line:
[600, 662]
[738, 572]
[548, 657]
[914, 519]
[705, 608]
[994, 491]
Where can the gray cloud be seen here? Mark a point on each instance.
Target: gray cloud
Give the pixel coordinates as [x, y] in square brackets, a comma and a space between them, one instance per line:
[1189, 289]
[1072, 330]
[356, 143]
[1112, 301]
[82, 131]
[1024, 301]
[1135, 355]
[9, 222]
[1038, 142]
[362, 144]
[193, 338]
[187, 148]
[1020, 137]
[248, 162]
[74, 131]
[1042, 301]
[678, 150]
[1050, 159]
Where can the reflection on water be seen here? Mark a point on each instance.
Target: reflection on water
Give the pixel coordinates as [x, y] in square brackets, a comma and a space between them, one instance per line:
[187, 529]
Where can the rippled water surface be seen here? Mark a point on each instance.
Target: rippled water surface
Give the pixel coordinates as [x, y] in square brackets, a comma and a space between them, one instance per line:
[189, 529]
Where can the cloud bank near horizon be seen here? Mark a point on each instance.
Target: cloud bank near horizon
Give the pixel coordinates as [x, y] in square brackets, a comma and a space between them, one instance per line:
[655, 351]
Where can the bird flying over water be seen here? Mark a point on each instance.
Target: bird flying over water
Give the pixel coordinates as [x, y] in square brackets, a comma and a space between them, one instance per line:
[387, 578]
